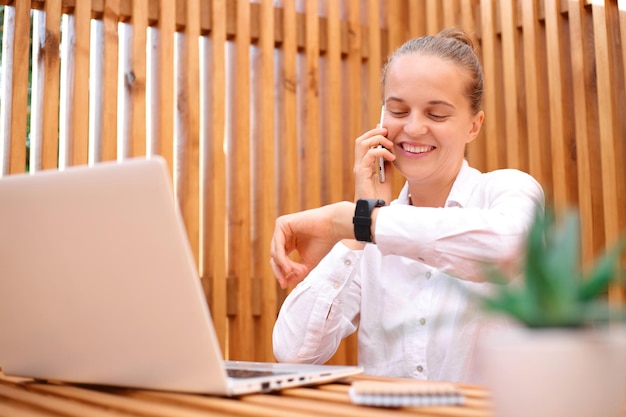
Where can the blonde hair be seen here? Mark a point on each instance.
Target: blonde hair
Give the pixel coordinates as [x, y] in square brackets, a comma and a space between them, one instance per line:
[451, 44]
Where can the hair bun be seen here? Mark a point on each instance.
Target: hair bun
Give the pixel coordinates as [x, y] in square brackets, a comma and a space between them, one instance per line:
[457, 34]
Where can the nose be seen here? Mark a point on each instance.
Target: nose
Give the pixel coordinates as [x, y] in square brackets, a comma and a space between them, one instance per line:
[415, 125]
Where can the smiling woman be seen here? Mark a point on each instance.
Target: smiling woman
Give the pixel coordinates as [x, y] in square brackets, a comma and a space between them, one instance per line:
[407, 293]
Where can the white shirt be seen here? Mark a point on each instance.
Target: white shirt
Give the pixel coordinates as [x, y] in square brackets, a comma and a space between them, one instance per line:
[414, 318]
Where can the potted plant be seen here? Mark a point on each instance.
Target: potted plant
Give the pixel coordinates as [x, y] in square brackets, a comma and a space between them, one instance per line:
[567, 355]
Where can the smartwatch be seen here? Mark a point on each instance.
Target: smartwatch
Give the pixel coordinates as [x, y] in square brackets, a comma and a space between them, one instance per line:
[362, 219]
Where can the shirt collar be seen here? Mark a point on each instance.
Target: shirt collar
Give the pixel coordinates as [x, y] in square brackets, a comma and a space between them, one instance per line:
[461, 190]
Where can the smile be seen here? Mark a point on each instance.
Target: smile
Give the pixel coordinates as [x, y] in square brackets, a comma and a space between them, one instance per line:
[417, 148]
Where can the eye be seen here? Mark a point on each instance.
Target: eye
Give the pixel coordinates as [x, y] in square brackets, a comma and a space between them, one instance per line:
[437, 117]
[398, 113]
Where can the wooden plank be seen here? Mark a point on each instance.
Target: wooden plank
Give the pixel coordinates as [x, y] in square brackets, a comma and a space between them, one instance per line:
[311, 147]
[188, 169]
[37, 89]
[223, 406]
[607, 117]
[79, 129]
[50, 144]
[288, 181]
[114, 402]
[214, 187]
[476, 150]
[333, 110]
[434, 17]
[19, 88]
[612, 149]
[137, 79]
[451, 10]
[494, 147]
[263, 290]
[110, 20]
[167, 29]
[416, 18]
[53, 405]
[587, 135]
[536, 102]
[241, 342]
[514, 130]
[561, 129]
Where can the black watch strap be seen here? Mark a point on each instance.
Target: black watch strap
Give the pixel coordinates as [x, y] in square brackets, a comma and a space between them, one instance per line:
[362, 219]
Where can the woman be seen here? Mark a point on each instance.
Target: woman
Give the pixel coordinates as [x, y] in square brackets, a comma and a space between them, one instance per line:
[407, 291]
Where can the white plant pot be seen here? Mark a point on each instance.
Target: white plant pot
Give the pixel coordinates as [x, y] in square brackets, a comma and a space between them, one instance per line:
[556, 372]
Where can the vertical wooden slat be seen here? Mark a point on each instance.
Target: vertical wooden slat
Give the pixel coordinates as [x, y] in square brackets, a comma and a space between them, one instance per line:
[167, 28]
[333, 108]
[536, 105]
[563, 164]
[434, 17]
[264, 285]
[607, 117]
[374, 63]
[516, 153]
[214, 188]
[586, 119]
[476, 150]
[37, 88]
[354, 127]
[241, 343]
[19, 87]
[398, 33]
[79, 133]
[137, 143]
[311, 148]
[493, 145]
[416, 18]
[8, 34]
[288, 184]
[50, 145]
[611, 150]
[189, 148]
[450, 13]
[110, 19]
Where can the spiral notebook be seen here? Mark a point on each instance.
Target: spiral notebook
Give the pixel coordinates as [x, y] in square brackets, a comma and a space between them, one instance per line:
[405, 394]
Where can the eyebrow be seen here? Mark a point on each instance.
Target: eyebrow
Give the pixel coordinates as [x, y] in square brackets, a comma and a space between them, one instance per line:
[431, 102]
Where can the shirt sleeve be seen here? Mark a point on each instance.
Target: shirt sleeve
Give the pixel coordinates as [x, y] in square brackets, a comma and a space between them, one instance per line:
[461, 240]
[320, 311]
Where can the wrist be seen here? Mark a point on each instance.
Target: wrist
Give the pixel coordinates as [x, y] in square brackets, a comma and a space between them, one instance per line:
[363, 220]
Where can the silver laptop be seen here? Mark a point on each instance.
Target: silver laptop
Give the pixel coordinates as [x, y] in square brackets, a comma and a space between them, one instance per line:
[98, 286]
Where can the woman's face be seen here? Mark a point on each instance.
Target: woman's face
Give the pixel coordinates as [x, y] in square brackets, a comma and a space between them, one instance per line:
[428, 117]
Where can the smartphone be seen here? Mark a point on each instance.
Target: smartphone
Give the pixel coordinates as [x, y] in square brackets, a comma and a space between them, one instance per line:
[381, 160]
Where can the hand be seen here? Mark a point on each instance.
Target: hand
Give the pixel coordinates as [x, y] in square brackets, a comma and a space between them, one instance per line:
[366, 154]
[312, 233]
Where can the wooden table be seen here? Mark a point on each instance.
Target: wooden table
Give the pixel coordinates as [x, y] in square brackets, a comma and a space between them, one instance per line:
[26, 398]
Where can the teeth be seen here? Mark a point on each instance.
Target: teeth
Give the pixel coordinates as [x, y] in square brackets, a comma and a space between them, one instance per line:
[416, 148]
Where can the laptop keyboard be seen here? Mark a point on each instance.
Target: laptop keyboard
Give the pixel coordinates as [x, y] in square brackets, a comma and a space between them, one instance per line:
[249, 373]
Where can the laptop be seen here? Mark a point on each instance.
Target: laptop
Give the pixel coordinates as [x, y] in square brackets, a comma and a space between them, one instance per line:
[98, 286]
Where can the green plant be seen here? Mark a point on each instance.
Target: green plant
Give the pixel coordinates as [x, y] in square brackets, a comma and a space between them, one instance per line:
[555, 291]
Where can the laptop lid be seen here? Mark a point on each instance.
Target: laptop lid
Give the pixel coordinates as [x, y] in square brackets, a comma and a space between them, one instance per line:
[99, 285]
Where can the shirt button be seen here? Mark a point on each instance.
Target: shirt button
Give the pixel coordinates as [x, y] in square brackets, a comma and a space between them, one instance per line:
[336, 284]
[347, 262]
[428, 275]
[420, 368]
[422, 321]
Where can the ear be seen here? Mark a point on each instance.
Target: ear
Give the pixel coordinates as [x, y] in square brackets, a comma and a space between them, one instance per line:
[477, 122]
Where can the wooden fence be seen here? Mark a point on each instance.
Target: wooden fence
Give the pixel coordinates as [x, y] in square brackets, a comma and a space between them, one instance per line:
[255, 106]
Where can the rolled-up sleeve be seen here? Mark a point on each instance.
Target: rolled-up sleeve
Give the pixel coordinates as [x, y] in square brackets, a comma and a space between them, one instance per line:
[320, 311]
[489, 227]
